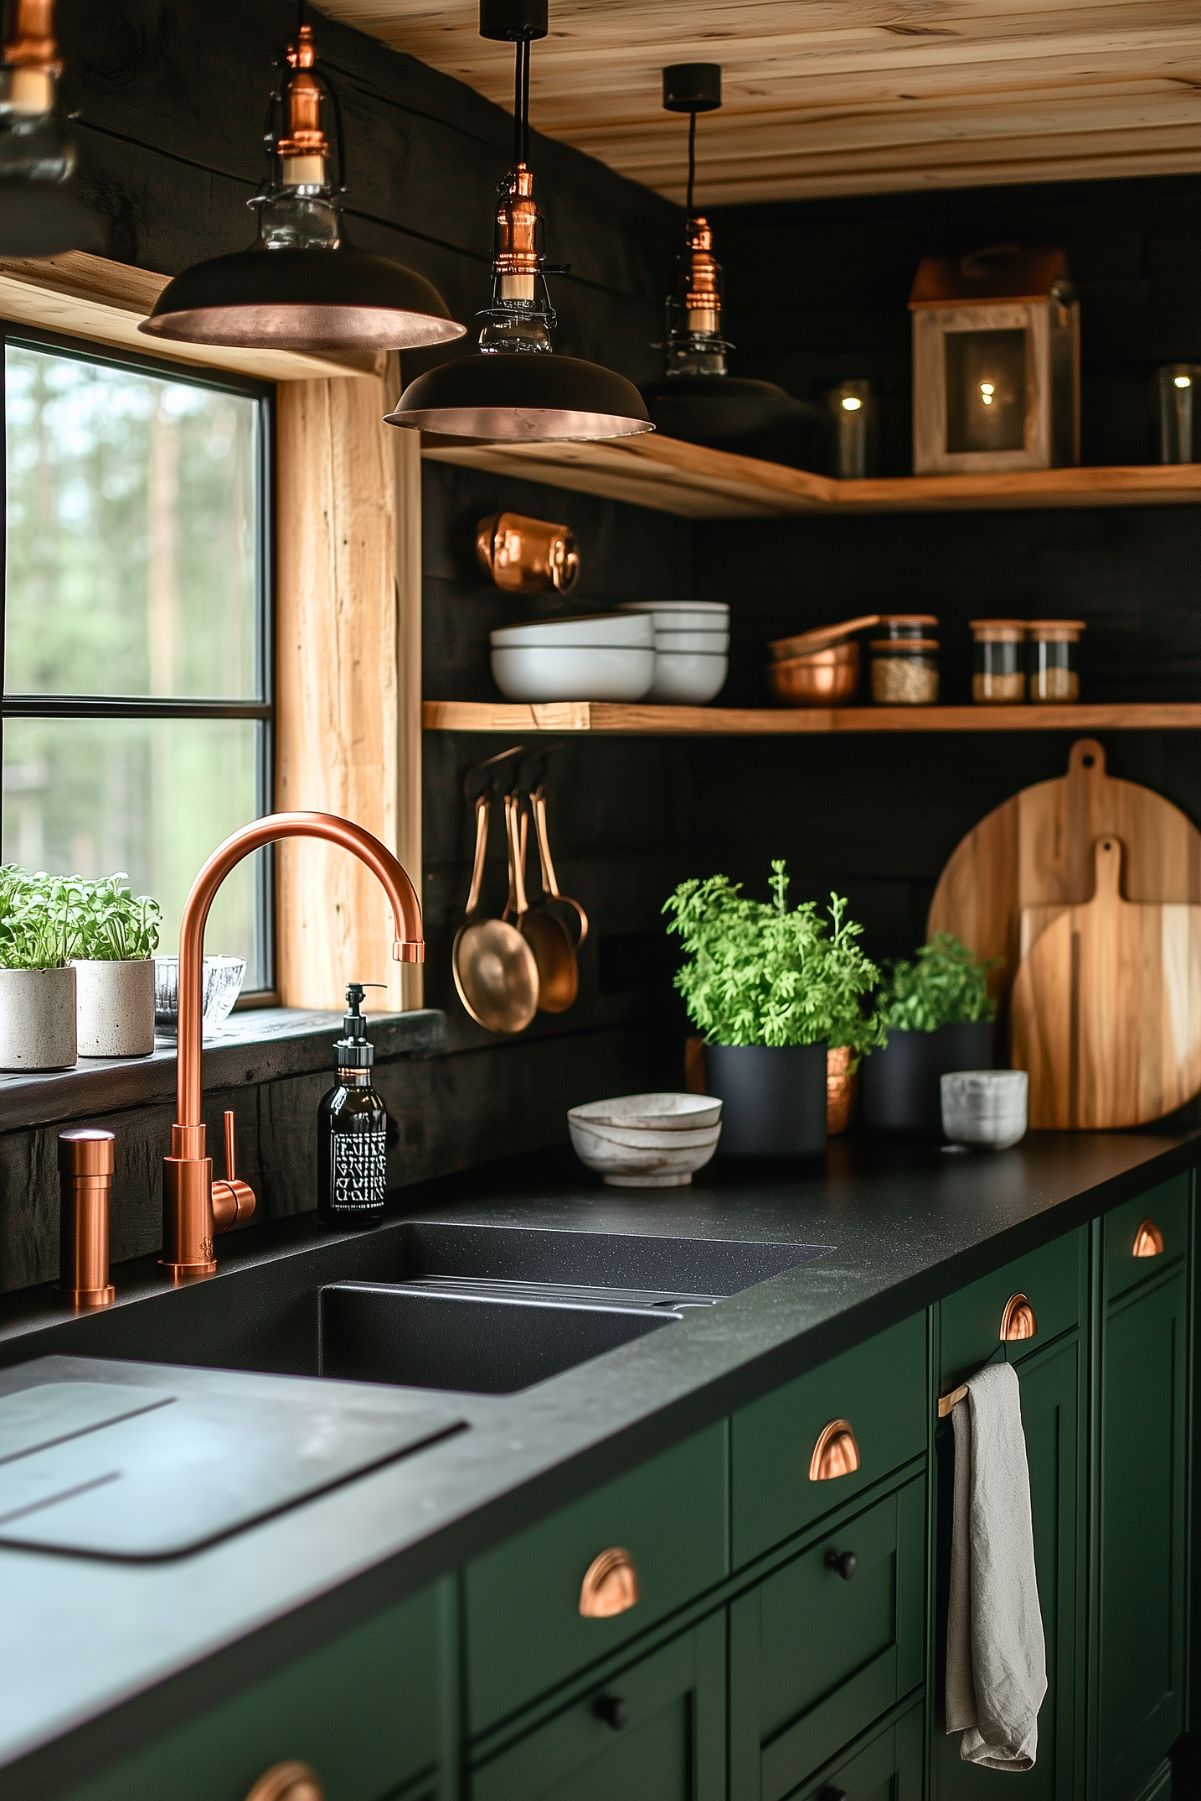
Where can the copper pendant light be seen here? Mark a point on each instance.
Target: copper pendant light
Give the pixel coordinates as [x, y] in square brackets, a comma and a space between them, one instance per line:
[41, 210]
[300, 286]
[696, 397]
[516, 386]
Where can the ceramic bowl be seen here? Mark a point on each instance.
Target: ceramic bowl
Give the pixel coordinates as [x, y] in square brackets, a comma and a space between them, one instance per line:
[688, 677]
[637, 1163]
[587, 629]
[683, 615]
[985, 1107]
[573, 672]
[712, 643]
[657, 1112]
[221, 983]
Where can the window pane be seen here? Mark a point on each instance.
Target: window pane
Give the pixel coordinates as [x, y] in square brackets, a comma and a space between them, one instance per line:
[150, 796]
[131, 561]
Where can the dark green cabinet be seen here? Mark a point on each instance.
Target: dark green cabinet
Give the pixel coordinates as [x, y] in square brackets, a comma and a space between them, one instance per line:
[652, 1732]
[885, 1767]
[828, 1642]
[1140, 1577]
[1052, 1414]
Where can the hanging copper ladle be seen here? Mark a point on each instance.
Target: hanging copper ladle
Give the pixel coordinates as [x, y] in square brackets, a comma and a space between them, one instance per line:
[543, 930]
[569, 910]
[493, 964]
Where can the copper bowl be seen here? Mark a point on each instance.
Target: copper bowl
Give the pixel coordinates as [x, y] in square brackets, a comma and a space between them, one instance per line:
[823, 678]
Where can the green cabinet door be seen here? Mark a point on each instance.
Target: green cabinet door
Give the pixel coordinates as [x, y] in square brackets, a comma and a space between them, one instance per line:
[1141, 1577]
[1052, 1415]
[654, 1731]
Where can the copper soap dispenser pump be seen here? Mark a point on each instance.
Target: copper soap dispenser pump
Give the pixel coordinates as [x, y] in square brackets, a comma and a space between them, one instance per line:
[86, 1159]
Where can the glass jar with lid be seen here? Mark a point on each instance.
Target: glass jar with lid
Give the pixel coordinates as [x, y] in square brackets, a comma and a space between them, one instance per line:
[1055, 659]
[999, 661]
[905, 671]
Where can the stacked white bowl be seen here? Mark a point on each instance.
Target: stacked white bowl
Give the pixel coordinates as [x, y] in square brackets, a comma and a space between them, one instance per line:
[692, 648]
[599, 656]
[646, 1140]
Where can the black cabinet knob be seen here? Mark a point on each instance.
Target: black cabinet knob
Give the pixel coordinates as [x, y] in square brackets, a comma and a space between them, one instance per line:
[612, 1710]
[843, 1562]
[830, 1793]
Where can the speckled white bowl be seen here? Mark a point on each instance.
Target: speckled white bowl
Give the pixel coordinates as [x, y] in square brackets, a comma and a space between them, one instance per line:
[657, 1148]
[986, 1107]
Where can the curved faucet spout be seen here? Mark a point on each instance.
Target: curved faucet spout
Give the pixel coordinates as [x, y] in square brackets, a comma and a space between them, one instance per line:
[188, 1196]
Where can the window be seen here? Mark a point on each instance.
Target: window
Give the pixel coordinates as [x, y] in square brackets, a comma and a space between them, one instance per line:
[136, 718]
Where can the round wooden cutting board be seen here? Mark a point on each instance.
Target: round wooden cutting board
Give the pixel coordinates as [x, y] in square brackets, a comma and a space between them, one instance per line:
[1036, 851]
[1106, 1008]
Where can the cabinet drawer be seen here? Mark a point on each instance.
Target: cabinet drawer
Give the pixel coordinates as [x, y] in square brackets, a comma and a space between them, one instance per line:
[878, 1388]
[825, 1645]
[363, 1712]
[888, 1767]
[525, 1629]
[1164, 1211]
[653, 1732]
[1052, 1278]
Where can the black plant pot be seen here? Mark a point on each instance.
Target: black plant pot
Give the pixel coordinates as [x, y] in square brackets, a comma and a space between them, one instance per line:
[774, 1100]
[901, 1080]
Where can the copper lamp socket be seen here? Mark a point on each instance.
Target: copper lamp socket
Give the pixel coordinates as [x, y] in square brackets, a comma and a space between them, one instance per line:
[85, 1173]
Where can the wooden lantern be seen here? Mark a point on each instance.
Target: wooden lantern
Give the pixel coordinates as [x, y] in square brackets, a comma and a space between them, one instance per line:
[996, 362]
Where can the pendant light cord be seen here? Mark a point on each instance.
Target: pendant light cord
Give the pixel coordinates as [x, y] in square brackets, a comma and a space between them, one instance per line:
[521, 101]
[691, 160]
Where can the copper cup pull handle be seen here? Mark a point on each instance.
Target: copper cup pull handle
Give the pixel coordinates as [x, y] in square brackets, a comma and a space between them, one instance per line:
[1018, 1320]
[835, 1453]
[287, 1782]
[1148, 1240]
[610, 1585]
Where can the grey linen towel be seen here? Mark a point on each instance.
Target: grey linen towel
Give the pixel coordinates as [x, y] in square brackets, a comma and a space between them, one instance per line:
[996, 1655]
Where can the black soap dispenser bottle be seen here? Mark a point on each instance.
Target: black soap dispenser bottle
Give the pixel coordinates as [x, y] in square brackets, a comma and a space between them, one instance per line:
[352, 1129]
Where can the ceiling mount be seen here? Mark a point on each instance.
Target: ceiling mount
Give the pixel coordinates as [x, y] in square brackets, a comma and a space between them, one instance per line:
[513, 21]
[692, 87]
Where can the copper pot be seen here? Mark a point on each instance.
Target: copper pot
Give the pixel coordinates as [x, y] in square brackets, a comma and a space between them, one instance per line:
[823, 678]
[842, 1083]
[527, 556]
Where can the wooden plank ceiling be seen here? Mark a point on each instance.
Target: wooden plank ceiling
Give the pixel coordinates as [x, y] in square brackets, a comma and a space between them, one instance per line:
[845, 96]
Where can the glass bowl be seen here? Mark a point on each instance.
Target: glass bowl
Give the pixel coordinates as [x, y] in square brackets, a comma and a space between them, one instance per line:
[221, 984]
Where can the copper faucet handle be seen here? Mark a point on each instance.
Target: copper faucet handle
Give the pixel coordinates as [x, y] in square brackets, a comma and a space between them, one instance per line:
[233, 1199]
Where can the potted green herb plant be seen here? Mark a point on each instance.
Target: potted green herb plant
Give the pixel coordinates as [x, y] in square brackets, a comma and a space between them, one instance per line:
[770, 987]
[937, 1015]
[113, 939]
[37, 983]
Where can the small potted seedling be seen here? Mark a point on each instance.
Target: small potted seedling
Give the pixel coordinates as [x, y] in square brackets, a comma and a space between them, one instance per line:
[937, 1015]
[37, 983]
[770, 987]
[113, 939]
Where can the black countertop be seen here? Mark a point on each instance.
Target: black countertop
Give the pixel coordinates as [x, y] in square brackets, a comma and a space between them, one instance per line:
[85, 1642]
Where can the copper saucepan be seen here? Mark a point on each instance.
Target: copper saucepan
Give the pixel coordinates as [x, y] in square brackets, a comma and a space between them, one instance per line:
[543, 930]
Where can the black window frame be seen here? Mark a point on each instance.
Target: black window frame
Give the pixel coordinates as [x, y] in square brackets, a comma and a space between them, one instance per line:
[99, 706]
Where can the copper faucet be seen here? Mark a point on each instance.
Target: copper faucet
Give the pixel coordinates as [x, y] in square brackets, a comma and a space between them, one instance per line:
[195, 1207]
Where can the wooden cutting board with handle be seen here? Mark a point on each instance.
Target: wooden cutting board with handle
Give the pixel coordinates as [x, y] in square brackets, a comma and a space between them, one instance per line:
[1106, 1008]
[1036, 851]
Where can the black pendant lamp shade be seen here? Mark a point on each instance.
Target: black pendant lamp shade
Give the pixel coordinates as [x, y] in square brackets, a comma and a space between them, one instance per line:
[515, 386]
[696, 398]
[42, 212]
[300, 286]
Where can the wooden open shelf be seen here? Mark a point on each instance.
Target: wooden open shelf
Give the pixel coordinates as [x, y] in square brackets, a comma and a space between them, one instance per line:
[641, 719]
[698, 483]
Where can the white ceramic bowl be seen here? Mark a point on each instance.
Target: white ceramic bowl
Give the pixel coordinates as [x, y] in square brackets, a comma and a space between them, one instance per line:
[705, 608]
[573, 672]
[683, 616]
[985, 1107]
[714, 644]
[657, 1112]
[688, 677]
[588, 630]
[639, 1164]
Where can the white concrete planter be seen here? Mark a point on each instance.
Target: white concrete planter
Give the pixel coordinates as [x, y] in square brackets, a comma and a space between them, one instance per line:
[37, 1018]
[115, 1008]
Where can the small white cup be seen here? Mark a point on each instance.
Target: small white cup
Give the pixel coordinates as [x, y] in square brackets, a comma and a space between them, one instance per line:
[986, 1107]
